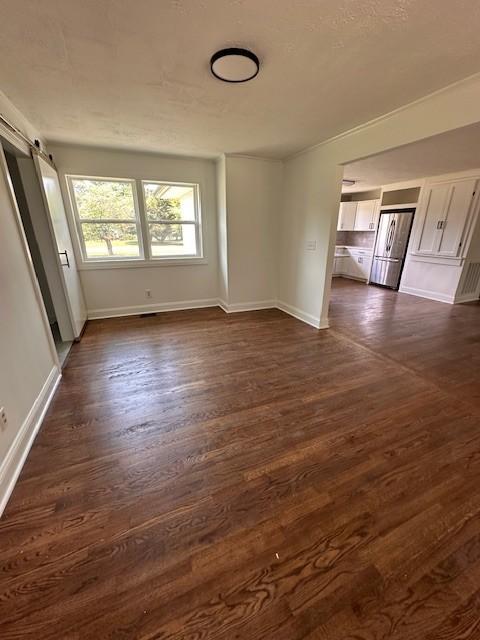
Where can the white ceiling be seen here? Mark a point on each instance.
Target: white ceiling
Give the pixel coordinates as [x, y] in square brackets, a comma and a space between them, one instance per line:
[456, 150]
[135, 73]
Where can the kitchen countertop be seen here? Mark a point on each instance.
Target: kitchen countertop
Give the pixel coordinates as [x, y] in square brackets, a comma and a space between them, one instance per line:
[339, 253]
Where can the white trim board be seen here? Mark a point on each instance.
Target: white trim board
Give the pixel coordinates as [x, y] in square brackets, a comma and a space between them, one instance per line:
[313, 321]
[467, 297]
[385, 116]
[238, 307]
[429, 295]
[17, 454]
[159, 307]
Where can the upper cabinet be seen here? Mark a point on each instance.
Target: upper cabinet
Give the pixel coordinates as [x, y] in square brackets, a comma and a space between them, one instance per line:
[360, 215]
[367, 215]
[444, 217]
[346, 216]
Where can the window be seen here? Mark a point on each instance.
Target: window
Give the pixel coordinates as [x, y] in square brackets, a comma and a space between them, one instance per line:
[110, 219]
[107, 218]
[172, 219]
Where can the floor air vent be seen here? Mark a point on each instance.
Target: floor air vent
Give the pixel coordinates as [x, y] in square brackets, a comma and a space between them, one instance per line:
[472, 278]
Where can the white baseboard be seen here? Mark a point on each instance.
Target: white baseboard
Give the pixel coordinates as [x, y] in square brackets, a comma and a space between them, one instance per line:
[223, 305]
[430, 295]
[275, 304]
[17, 454]
[318, 323]
[159, 307]
[238, 307]
[467, 297]
[347, 277]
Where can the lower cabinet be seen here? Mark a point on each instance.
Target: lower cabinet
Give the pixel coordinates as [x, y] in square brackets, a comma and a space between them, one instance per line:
[355, 264]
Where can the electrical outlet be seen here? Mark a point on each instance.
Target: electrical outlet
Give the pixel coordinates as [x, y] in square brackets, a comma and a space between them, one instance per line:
[3, 419]
[148, 293]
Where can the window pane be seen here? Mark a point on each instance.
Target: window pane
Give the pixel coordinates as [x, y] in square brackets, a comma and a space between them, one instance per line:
[97, 199]
[173, 239]
[114, 240]
[169, 202]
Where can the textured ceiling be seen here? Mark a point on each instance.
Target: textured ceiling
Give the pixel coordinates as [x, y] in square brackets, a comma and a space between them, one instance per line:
[134, 73]
[457, 150]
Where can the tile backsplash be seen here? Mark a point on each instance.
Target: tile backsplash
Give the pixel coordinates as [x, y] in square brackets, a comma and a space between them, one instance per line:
[356, 238]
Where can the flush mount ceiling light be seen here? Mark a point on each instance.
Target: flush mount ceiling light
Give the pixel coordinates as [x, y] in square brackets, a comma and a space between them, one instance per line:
[234, 65]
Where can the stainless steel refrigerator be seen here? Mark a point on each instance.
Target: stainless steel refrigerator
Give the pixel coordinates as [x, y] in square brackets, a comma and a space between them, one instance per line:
[391, 247]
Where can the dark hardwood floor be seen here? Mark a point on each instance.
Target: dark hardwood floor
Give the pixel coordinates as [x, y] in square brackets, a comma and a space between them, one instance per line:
[247, 477]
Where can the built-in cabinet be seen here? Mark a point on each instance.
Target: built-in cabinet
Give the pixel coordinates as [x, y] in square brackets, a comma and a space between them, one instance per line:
[346, 216]
[358, 216]
[444, 218]
[443, 262]
[353, 262]
[367, 215]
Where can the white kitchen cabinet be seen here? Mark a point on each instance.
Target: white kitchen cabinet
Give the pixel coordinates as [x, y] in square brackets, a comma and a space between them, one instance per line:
[444, 216]
[366, 217]
[356, 263]
[341, 265]
[360, 264]
[346, 216]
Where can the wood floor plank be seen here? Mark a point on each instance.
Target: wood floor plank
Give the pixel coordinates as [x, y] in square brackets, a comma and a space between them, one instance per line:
[209, 476]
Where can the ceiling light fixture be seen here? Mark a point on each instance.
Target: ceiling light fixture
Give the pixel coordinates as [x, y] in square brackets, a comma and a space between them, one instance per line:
[234, 65]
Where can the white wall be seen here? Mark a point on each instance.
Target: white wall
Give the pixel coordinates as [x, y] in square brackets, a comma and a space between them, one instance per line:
[122, 290]
[27, 359]
[313, 184]
[253, 201]
[28, 368]
[311, 199]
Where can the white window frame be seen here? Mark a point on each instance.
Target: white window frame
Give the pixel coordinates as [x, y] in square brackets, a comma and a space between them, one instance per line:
[145, 259]
[78, 221]
[197, 221]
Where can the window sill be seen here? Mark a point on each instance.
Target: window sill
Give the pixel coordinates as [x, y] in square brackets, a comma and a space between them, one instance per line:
[141, 264]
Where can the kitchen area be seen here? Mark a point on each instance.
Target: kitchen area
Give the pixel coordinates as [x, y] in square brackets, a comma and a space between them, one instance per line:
[373, 233]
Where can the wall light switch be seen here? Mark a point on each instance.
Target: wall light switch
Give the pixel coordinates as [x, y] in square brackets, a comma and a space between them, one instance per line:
[311, 245]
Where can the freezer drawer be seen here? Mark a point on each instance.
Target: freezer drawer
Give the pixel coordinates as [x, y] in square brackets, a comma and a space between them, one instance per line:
[386, 271]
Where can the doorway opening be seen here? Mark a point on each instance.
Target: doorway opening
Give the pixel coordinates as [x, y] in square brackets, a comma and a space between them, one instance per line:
[409, 223]
[27, 193]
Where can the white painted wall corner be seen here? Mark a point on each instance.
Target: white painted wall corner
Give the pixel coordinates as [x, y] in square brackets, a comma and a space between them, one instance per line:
[13, 462]
[318, 323]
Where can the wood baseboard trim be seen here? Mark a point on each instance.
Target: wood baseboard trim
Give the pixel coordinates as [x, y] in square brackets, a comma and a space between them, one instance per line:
[17, 454]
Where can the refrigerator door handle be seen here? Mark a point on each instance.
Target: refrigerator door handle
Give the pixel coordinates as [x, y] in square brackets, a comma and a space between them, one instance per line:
[387, 259]
[390, 235]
